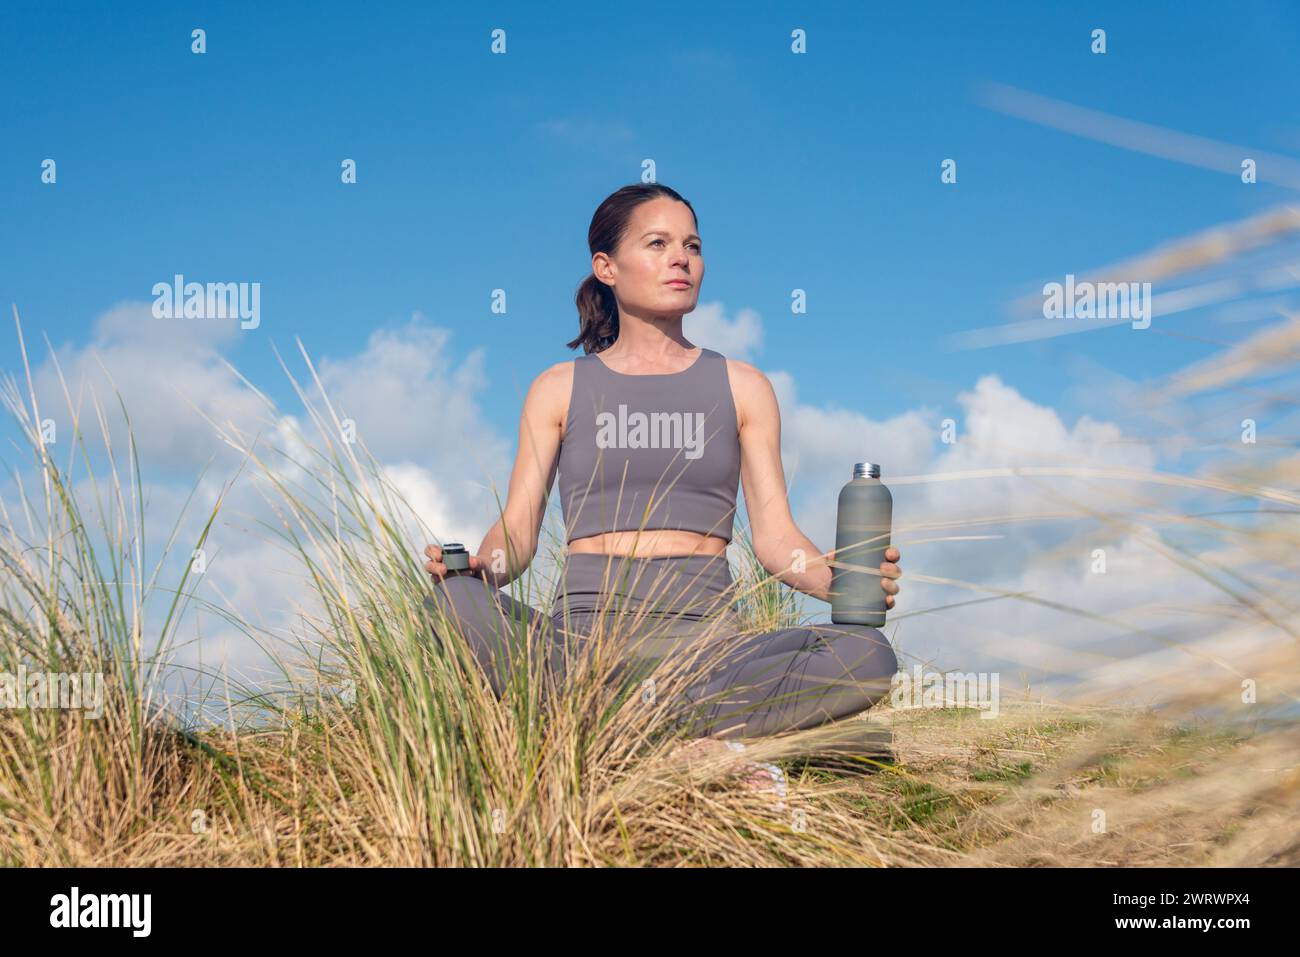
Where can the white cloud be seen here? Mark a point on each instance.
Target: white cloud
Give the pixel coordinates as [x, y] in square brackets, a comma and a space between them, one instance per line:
[417, 409]
[1163, 618]
[134, 321]
[162, 369]
[737, 338]
[413, 405]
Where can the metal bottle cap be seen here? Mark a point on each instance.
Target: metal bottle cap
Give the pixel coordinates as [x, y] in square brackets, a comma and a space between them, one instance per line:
[866, 470]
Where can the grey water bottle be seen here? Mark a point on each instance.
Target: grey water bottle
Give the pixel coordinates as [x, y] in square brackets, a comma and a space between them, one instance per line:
[862, 529]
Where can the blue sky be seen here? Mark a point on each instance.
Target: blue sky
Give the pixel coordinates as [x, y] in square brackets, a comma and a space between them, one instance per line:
[476, 171]
[818, 172]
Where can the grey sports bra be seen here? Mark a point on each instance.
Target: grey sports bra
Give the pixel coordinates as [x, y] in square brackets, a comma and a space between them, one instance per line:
[650, 451]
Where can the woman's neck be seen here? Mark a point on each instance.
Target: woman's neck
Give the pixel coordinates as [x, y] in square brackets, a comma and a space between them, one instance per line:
[652, 341]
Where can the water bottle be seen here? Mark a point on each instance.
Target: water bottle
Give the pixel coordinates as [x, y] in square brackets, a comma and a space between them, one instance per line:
[862, 527]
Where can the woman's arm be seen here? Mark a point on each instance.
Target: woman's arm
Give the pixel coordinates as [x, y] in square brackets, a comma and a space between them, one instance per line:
[511, 543]
[782, 550]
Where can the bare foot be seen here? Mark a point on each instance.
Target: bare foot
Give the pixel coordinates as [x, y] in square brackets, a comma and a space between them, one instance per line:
[762, 777]
[756, 776]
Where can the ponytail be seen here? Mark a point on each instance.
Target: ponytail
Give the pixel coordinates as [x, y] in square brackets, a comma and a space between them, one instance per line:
[597, 316]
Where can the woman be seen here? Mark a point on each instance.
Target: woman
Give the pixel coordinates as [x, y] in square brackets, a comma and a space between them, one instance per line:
[650, 435]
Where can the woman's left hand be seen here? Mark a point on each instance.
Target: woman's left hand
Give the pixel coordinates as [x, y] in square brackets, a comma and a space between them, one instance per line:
[889, 571]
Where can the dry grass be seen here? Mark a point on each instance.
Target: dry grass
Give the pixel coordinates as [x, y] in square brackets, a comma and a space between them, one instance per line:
[419, 764]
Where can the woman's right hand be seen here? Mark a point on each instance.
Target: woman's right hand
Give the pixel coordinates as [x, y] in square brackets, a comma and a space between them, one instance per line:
[438, 569]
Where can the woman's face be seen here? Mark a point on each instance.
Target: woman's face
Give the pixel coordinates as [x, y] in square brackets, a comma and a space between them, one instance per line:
[659, 252]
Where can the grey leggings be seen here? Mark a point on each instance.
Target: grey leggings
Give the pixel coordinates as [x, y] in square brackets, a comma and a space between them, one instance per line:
[783, 680]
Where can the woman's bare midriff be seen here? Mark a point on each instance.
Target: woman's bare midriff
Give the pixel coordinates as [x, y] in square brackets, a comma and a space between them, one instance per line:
[650, 543]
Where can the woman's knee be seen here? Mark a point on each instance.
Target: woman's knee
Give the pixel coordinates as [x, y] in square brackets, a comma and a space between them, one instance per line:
[885, 659]
[462, 594]
[466, 607]
[883, 667]
[456, 584]
[867, 656]
[464, 604]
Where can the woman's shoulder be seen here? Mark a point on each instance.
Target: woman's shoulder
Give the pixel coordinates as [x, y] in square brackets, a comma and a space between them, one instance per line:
[553, 378]
[742, 373]
[751, 392]
[551, 390]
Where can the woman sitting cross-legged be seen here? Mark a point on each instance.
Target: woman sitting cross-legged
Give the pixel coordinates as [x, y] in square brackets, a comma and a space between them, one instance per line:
[651, 437]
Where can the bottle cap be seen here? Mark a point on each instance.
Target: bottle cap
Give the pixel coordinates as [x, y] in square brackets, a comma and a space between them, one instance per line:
[866, 470]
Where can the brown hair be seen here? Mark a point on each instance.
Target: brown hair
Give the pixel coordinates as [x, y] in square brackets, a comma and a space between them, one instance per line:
[597, 307]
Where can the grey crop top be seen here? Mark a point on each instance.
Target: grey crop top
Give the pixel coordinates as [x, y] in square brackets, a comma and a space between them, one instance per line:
[650, 451]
